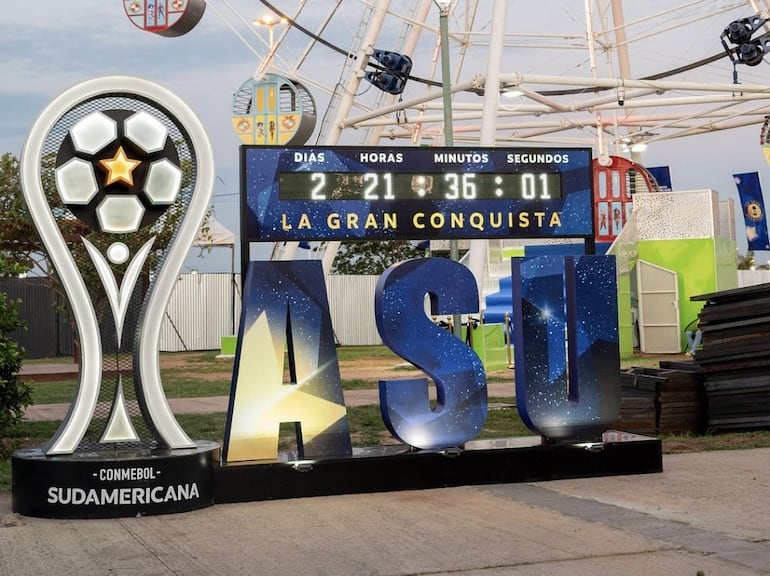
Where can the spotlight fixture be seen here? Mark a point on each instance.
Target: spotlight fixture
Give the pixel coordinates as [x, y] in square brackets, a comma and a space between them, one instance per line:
[745, 49]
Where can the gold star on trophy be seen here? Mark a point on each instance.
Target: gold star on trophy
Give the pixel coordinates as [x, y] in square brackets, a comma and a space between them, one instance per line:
[119, 168]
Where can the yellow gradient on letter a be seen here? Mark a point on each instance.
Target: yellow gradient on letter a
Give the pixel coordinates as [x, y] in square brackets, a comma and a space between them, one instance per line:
[263, 401]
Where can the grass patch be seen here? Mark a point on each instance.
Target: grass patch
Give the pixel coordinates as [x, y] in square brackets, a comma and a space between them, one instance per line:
[203, 426]
[353, 353]
[63, 392]
[191, 387]
[679, 443]
[367, 427]
[358, 384]
[59, 392]
[198, 374]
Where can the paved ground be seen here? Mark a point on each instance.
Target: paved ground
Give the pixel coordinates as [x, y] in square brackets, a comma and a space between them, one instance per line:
[707, 513]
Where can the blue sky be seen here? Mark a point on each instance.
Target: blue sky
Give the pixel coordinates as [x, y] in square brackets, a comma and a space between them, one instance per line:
[50, 46]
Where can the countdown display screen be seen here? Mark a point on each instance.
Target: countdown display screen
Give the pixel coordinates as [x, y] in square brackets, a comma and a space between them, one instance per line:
[376, 186]
[360, 193]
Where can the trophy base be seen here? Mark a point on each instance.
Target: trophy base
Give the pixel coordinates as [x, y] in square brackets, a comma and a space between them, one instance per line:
[113, 485]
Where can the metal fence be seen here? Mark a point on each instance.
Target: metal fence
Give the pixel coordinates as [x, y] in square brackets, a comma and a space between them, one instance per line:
[202, 309]
[351, 303]
[753, 277]
[49, 332]
[205, 307]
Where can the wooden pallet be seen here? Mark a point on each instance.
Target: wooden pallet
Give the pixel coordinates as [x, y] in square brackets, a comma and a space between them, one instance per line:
[662, 401]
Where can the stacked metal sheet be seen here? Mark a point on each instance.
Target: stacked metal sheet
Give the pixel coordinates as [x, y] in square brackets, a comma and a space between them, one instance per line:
[735, 357]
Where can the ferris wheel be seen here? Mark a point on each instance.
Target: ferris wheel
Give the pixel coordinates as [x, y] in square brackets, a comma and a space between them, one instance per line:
[610, 75]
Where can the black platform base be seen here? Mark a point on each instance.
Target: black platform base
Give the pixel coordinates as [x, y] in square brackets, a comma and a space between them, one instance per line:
[113, 486]
[390, 468]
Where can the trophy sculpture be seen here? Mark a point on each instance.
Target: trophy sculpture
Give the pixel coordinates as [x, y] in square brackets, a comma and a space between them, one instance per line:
[128, 168]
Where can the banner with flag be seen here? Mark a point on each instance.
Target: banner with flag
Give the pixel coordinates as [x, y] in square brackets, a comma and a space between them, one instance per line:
[662, 175]
[753, 206]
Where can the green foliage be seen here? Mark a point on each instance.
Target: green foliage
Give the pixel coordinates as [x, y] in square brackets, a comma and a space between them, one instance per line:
[746, 261]
[15, 395]
[373, 257]
[17, 233]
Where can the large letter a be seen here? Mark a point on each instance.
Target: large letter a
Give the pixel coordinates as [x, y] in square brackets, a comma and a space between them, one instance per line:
[285, 308]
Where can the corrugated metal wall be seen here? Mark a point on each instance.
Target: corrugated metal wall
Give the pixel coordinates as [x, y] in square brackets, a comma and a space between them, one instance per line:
[205, 307]
[199, 311]
[202, 309]
[351, 302]
[753, 277]
[48, 331]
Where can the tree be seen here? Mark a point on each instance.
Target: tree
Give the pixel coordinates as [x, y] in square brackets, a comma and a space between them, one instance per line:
[15, 395]
[18, 236]
[374, 257]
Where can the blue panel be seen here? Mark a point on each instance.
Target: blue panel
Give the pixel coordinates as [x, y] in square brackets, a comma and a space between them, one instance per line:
[381, 193]
[455, 368]
[565, 339]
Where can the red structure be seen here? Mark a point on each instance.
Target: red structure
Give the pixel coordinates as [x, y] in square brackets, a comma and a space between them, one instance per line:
[165, 17]
[614, 187]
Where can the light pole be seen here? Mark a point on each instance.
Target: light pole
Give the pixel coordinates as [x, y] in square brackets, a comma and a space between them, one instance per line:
[270, 21]
[449, 141]
[446, 80]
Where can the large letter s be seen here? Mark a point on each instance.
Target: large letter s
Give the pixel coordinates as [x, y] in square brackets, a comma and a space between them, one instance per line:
[457, 371]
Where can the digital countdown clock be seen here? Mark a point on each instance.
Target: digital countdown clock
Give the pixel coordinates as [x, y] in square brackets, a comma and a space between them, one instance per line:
[385, 186]
[348, 193]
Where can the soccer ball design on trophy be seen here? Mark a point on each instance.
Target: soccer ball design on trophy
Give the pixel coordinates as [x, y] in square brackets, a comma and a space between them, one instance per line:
[118, 170]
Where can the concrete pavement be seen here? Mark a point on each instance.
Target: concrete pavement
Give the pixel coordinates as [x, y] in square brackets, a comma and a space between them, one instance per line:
[706, 513]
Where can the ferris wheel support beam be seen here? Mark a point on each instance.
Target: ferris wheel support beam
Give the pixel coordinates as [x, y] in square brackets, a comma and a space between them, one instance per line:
[636, 88]
[414, 103]
[475, 112]
[479, 249]
[351, 89]
[514, 79]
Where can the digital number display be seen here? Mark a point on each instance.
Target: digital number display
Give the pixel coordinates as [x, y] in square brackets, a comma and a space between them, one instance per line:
[380, 193]
[386, 186]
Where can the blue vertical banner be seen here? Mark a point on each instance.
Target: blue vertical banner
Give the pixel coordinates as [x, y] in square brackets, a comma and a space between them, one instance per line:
[753, 206]
[662, 175]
